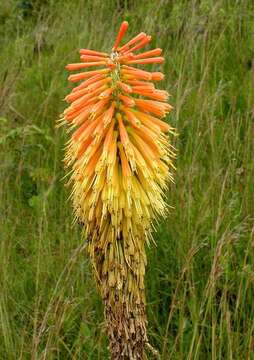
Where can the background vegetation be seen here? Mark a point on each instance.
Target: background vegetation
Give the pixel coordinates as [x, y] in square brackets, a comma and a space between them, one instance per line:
[200, 279]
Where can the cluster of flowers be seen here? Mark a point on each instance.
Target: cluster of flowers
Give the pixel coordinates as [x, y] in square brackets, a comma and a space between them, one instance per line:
[120, 156]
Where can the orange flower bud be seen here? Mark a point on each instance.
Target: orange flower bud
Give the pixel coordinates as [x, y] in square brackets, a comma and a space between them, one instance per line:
[122, 31]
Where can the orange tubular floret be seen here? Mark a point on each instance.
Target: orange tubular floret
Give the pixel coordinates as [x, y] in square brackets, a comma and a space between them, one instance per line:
[75, 95]
[92, 58]
[84, 92]
[142, 157]
[146, 151]
[99, 106]
[92, 52]
[76, 135]
[89, 169]
[71, 115]
[152, 94]
[78, 66]
[83, 99]
[157, 60]
[122, 130]
[137, 38]
[125, 165]
[157, 76]
[121, 33]
[99, 131]
[73, 112]
[123, 58]
[112, 151]
[149, 119]
[99, 83]
[106, 93]
[154, 52]
[95, 147]
[128, 101]
[142, 43]
[87, 101]
[83, 116]
[85, 75]
[140, 83]
[143, 88]
[72, 67]
[135, 71]
[108, 137]
[154, 107]
[85, 129]
[135, 74]
[146, 142]
[144, 134]
[150, 127]
[92, 80]
[84, 146]
[160, 105]
[107, 117]
[131, 117]
[124, 87]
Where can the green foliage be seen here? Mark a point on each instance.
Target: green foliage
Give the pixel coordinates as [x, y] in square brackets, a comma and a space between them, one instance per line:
[200, 280]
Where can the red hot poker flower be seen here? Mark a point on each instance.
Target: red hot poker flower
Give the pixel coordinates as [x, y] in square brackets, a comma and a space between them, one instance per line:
[120, 157]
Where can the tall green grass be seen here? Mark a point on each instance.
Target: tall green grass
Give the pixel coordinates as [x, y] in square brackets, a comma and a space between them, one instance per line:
[200, 278]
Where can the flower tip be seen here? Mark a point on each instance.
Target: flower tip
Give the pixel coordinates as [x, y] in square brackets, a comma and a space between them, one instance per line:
[125, 24]
[157, 76]
[121, 33]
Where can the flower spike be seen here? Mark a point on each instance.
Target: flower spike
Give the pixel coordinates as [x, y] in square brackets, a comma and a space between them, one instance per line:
[121, 160]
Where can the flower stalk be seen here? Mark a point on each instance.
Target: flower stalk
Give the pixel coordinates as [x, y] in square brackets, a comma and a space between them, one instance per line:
[121, 160]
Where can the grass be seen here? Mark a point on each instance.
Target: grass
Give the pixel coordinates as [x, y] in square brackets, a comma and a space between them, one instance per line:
[200, 278]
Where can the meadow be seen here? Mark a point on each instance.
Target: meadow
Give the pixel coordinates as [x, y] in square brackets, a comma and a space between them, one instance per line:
[200, 276]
